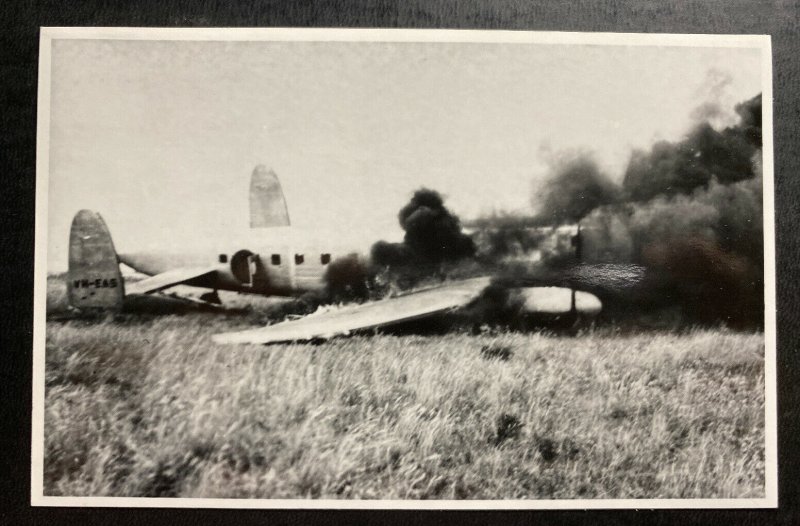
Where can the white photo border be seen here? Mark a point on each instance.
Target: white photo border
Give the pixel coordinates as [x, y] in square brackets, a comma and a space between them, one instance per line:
[49, 34]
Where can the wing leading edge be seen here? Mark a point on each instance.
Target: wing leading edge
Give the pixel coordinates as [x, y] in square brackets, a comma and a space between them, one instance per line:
[342, 321]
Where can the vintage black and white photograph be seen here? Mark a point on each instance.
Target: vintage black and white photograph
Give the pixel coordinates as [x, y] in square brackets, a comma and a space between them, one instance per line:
[404, 269]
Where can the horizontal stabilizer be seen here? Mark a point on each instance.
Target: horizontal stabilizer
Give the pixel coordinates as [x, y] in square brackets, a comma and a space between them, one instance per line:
[94, 279]
[197, 276]
[343, 320]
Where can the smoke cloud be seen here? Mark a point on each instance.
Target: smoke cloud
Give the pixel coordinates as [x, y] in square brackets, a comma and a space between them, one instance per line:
[432, 235]
[704, 155]
[693, 216]
[682, 233]
[433, 245]
[716, 108]
[576, 187]
[348, 278]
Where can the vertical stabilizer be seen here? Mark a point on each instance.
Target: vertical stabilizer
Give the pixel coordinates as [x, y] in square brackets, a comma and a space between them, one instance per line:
[94, 279]
[267, 203]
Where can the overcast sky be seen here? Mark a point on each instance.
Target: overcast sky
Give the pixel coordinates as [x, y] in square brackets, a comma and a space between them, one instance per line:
[160, 137]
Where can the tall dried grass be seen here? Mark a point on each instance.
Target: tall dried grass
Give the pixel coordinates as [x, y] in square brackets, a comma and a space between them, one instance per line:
[149, 406]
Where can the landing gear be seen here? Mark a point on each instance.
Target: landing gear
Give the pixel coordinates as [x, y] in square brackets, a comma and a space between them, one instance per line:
[211, 297]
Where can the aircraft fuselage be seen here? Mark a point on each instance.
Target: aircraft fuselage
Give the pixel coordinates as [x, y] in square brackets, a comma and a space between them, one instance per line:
[282, 271]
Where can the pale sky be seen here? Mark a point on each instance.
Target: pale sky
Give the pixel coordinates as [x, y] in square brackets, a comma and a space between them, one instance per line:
[160, 137]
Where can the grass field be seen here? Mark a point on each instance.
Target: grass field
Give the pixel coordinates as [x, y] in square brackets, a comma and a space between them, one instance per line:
[149, 406]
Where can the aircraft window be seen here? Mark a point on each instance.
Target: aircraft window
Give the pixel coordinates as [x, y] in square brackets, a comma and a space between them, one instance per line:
[325, 258]
[276, 259]
[223, 258]
[299, 259]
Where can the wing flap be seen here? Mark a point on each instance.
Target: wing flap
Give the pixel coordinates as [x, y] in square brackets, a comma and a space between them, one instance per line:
[342, 321]
[198, 276]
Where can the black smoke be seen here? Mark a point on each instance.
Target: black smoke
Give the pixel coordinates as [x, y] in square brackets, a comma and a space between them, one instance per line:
[709, 283]
[434, 245]
[692, 215]
[348, 278]
[749, 112]
[433, 235]
[681, 233]
[683, 227]
[703, 156]
[575, 187]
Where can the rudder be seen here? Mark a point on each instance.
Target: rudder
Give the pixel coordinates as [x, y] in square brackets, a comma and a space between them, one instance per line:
[94, 278]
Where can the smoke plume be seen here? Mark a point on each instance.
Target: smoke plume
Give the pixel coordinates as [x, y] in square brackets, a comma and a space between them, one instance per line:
[576, 187]
[432, 235]
[681, 234]
[692, 215]
[716, 106]
[348, 278]
[705, 154]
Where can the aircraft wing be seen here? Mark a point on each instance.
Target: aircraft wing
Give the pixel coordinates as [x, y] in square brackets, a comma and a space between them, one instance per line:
[343, 320]
[197, 276]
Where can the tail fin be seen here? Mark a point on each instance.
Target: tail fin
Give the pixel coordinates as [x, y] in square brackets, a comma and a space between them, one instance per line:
[267, 204]
[94, 278]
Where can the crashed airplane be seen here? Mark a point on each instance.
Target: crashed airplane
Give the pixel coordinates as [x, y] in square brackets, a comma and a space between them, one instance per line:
[95, 280]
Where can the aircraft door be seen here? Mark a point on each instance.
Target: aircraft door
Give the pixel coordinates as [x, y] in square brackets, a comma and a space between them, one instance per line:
[249, 270]
[258, 274]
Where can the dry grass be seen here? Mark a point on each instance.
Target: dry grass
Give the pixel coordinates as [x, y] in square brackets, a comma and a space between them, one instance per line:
[149, 406]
